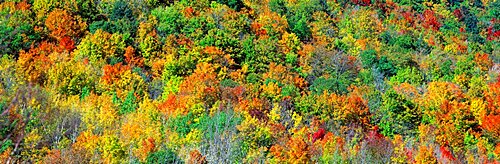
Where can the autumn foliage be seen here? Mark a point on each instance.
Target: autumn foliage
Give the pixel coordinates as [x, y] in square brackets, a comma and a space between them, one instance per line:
[249, 81]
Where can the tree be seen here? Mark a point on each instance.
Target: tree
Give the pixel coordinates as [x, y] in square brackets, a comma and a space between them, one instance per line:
[408, 75]
[148, 42]
[87, 9]
[430, 21]
[35, 63]
[16, 27]
[121, 79]
[163, 156]
[70, 78]
[169, 19]
[62, 24]
[398, 115]
[299, 20]
[118, 16]
[101, 46]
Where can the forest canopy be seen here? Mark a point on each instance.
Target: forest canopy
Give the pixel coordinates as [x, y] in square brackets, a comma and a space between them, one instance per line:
[249, 81]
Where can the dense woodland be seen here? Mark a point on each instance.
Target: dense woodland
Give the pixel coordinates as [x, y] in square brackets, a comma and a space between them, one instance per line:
[250, 81]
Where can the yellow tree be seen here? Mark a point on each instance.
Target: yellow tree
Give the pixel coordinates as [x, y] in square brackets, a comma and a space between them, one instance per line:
[141, 130]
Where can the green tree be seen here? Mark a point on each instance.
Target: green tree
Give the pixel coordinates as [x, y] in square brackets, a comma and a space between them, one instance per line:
[16, 27]
[408, 75]
[398, 115]
[117, 17]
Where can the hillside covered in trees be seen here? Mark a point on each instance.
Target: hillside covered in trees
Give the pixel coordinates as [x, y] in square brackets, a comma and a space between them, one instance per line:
[249, 81]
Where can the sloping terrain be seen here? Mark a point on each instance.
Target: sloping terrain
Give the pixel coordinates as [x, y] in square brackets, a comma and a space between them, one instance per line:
[249, 81]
